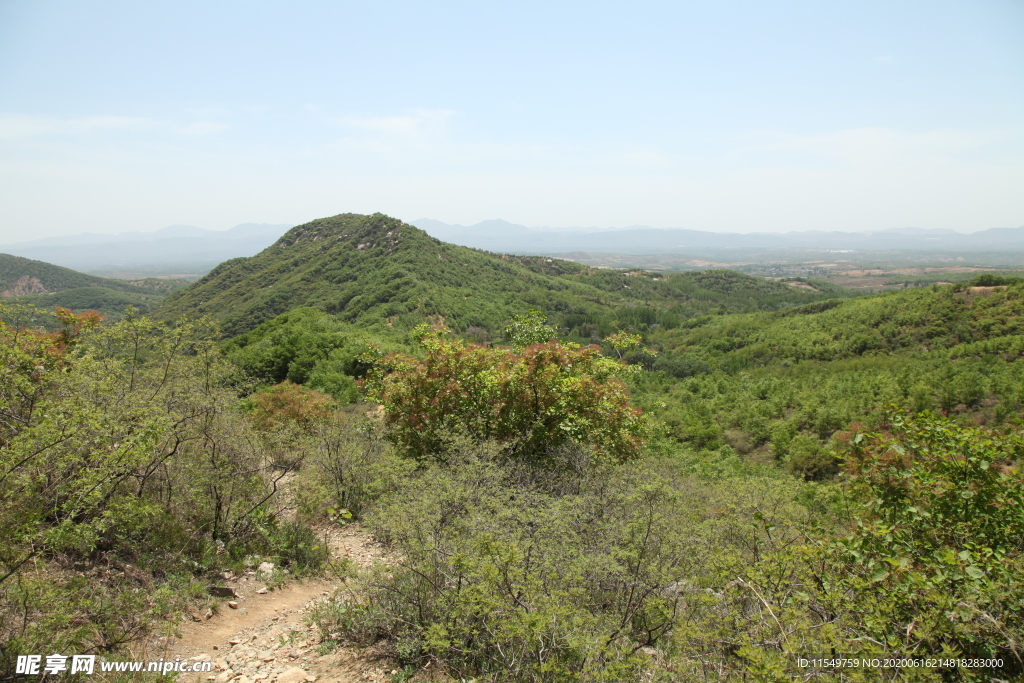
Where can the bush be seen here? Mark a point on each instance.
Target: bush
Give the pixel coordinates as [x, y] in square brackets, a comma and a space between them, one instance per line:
[681, 366]
[941, 550]
[533, 402]
[498, 579]
[489, 582]
[992, 280]
[350, 466]
[644, 573]
[130, 464]
[288, 403]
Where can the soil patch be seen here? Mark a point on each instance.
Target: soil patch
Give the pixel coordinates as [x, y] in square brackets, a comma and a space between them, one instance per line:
[267, 637]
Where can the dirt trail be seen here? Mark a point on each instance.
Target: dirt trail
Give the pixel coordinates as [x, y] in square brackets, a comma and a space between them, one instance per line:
[265, 637]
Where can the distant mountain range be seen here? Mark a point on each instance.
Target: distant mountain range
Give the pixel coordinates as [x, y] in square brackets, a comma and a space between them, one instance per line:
[177, 248]
[186, 249]
[504, 237]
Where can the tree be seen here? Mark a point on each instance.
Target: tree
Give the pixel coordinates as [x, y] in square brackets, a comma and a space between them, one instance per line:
[534, 400]
[121, 445]
[288, 402]
[937, 557]
[624, 341]
[528, 329]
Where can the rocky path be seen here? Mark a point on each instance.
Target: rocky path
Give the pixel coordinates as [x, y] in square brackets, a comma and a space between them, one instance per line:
[263, 636]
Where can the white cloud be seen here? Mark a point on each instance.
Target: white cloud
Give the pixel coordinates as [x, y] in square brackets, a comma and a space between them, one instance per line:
[403, 125]
[422, 122]
[404, 139]
[202, 128]
[107, 122]
[20, 126]
[16, 126]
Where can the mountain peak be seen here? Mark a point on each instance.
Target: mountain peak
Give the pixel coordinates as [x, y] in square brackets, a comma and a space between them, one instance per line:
[346, 263]
[365, 233]
[180, 231]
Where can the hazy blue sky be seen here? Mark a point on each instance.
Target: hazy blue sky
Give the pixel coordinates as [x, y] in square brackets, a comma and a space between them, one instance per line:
[727, 115]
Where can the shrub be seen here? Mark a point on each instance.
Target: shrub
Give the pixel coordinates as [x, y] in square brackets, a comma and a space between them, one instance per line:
[290, 403]
[533, 402]
[349, 466]
[126, 463]
[941, 549]
[497, 579]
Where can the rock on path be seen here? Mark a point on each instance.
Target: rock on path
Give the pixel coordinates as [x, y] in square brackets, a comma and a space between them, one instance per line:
[267, 638]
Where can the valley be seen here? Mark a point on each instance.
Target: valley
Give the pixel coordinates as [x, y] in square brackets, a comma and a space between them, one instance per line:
[47, 286]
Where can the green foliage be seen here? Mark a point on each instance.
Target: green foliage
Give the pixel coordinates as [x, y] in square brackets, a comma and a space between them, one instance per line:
[502, 580]
[1003, 277]
[502, 590]
[377, 271]
[994, 280]
[759, 381]
[349, 467]
[912, 320]
[534, 402]
[121, 447]
[789, 513]
[110, 303]
[528, 329]
[380, 273]
[17, 273]
[622, 341]
[643, 572]
[919, 556]
[298, 546]
[305, 346]
[47, 286]
[941, 544]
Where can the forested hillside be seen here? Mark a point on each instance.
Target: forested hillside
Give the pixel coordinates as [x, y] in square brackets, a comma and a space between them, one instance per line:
[377, 271]
[48, 286]
[582, 474]
[778, 387]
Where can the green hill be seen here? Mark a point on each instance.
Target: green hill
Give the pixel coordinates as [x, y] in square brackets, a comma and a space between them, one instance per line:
[48, 286]
[377, 271]
[778, 385]
[921, 319]
[23, 277]
[138, 463]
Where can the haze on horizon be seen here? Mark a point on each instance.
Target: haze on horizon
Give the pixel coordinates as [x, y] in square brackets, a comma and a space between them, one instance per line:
[738, 116]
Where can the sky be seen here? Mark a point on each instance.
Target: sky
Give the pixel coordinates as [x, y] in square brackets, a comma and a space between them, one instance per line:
[732, 116]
